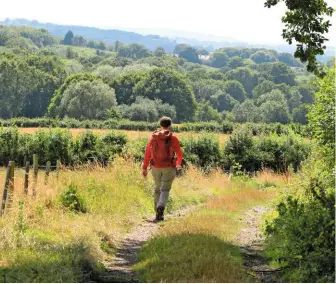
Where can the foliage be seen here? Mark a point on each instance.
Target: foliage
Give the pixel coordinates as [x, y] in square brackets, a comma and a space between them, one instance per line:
[134, 51]
[263, 56]
[276, 152]
[245, 76]
[305, 24]
[322, 114]
[170, 87]
[222, 101]
[246, 112]
[144, 109]
[205, 112]
[70, 199]
[301, 238]
[203, 151]
[219, 59]
[86, 99]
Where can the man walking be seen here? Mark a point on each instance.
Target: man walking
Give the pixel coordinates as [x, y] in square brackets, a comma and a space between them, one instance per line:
[160, 154]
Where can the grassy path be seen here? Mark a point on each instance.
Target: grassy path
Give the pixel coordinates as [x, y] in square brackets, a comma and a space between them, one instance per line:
[120, 269]
[219, 241]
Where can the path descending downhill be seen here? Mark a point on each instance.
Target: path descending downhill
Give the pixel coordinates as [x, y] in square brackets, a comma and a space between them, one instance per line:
[120, 269]
[251, 241]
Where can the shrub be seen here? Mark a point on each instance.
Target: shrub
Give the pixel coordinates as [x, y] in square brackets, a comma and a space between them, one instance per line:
[276, 152]
[202, 151]
[71, 200]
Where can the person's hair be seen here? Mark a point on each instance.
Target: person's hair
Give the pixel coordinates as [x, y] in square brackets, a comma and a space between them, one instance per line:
[165, 121]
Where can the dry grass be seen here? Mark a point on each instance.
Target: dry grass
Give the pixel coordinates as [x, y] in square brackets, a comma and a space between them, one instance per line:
[64, 246]
[133, 135]
[45, 242]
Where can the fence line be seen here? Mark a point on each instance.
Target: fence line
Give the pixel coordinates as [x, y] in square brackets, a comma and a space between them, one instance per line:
[8, 192]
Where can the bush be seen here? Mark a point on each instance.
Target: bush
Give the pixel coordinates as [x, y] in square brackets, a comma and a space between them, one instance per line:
[276, 152]
[56, 144]
[71, 200]
[302, 236]
[202, 151]
[240, 149]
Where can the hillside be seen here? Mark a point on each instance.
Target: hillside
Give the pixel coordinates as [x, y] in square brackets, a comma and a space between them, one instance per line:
[91, 33]
[153, 40]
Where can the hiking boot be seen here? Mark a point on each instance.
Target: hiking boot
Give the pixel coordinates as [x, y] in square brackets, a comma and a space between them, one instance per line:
[159, 214]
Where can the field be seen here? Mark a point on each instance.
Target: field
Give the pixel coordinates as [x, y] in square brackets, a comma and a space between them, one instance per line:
[133, 135]
[44, 234]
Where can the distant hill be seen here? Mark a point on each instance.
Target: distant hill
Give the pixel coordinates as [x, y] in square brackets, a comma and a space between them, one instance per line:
[91, 33]
[149, 41]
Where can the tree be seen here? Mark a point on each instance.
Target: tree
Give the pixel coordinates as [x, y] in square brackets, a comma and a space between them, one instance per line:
[219, 59]
[245, 76]
[264, 87]
[159, 51]
[236, 90]
[246, 112]
[300, 114]
[277, 72]
[205, 88]
[179, 47]
[307, 92]
[235, 62]
[263, 56]
[27, 83]
[189, 53]
[275, 111]
[144, 109]
[222, 101]
[101, 45]
[205, 112]
[134, 51]
[68, 38]
[91, 44]
[305, 23]
[289, 59]
[78, 41]
[86, 99]
[124, 87]
[295, 100]
[170, 87]
[272, 96]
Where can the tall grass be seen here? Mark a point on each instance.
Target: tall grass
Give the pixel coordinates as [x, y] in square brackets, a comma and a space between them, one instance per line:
[43, 240]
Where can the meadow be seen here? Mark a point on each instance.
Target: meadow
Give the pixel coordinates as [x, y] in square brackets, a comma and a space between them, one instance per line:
[76, 222]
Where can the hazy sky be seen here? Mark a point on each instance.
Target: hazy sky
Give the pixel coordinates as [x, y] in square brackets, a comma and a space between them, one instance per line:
[245, 20]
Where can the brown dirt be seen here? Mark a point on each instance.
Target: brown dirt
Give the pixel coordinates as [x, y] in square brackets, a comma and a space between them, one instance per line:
[251, 242]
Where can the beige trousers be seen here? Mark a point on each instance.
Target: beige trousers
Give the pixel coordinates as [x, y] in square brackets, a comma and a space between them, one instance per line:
[163, 179]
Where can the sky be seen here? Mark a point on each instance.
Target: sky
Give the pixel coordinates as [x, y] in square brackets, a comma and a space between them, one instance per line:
[244, 20]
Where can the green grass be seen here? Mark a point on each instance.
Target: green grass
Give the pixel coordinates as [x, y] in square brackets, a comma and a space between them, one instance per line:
[202, 247]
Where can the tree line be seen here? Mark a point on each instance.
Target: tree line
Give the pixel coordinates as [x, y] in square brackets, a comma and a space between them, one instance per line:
[83, 79]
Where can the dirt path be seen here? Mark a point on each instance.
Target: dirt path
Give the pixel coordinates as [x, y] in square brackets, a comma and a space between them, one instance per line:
[120, 270]
[251, 242]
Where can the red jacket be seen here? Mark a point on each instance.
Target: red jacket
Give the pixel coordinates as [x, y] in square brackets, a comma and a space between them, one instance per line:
[160, 137]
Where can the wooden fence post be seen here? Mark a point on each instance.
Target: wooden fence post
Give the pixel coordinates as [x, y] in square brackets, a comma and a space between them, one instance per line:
[10, 186]
[58, 167]
[35, 171]
[26, 180]
[47, 172]
[9, 178]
